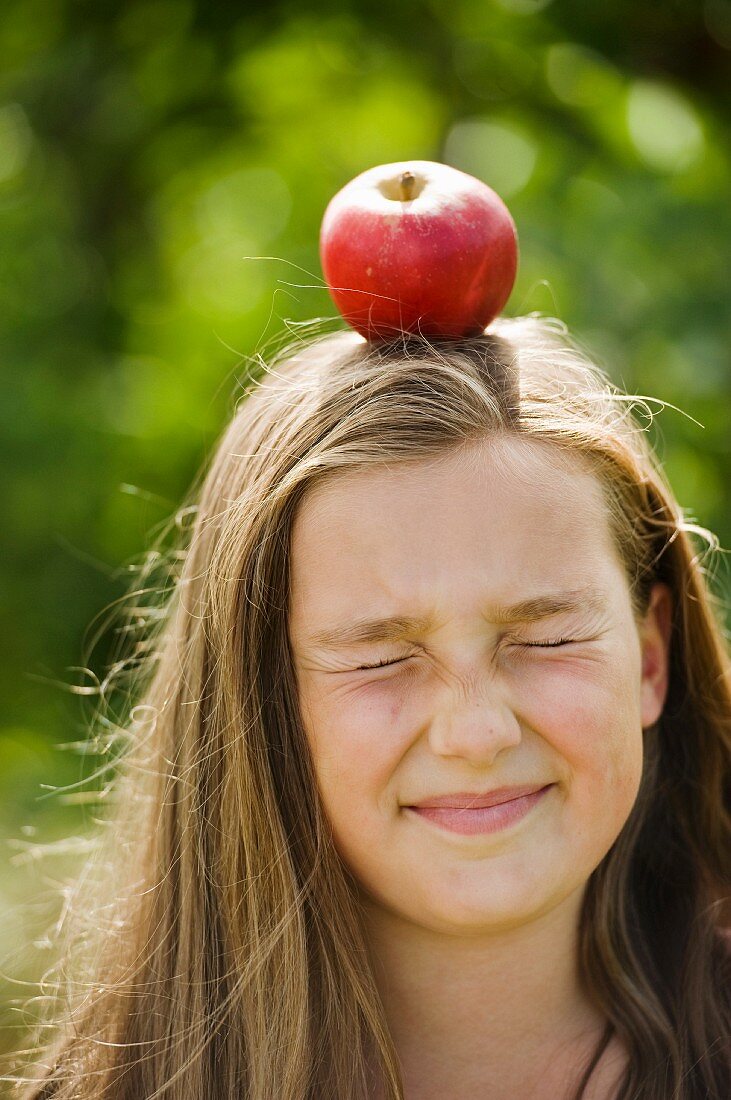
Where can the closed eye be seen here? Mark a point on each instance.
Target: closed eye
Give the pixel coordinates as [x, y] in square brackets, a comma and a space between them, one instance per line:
[382, 664]
[526, 645]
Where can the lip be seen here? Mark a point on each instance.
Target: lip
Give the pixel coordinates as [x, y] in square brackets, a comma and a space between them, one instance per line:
[474, 800]
[479, 814]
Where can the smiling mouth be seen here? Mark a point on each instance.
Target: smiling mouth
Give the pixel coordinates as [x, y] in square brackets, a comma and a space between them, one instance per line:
[472, 800]
[470, 820]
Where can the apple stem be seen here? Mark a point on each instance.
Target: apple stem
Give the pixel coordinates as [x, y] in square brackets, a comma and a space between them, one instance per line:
[407, 181]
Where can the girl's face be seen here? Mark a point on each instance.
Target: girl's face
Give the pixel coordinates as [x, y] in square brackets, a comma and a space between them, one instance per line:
[477, 694]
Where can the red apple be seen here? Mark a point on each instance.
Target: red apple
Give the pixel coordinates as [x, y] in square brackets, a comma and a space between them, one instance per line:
[418, 246]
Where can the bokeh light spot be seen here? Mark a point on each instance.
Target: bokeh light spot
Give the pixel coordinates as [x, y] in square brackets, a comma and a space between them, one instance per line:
[251, 201]
[16, 139]
[664, 127]
[577, 75]
[523, 7]
[216, 277]
[495, 152]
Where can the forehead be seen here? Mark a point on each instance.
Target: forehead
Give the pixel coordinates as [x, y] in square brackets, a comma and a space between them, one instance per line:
[496, 521]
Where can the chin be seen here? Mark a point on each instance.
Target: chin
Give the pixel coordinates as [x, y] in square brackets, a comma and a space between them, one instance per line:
[489, 909]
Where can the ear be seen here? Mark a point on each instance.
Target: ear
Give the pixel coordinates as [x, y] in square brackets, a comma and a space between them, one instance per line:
[655, 630]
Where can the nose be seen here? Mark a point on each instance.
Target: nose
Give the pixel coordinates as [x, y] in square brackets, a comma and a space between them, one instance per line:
[476, 726]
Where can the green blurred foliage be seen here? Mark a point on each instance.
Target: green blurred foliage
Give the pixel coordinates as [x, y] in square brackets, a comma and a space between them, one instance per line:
[151, 153]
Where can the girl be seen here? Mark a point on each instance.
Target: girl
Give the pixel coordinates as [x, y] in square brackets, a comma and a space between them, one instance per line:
[426, 791]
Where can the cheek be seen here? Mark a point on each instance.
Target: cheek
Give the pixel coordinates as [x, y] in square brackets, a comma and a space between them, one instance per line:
[356, 749]
[594, 723]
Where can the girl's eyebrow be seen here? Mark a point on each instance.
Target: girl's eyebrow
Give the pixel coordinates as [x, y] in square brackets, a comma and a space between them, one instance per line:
[396, 627]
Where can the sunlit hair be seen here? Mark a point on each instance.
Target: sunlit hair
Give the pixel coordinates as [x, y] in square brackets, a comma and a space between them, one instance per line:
[214, 947]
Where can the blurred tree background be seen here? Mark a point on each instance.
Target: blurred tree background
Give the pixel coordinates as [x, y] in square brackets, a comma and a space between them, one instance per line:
[149, 149]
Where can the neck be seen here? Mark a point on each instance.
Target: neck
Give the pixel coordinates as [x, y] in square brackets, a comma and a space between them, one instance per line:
[502, 1008]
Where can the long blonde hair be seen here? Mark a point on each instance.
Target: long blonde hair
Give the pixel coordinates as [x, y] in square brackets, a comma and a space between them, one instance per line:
[216, 949]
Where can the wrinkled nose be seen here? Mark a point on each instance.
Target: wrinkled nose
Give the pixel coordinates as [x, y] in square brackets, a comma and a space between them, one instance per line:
[475, 726]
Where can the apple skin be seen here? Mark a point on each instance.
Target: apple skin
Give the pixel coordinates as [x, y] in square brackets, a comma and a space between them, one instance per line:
[436, 253]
